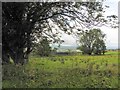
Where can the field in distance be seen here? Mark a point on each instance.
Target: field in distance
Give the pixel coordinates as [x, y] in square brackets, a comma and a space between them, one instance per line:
[78, 71]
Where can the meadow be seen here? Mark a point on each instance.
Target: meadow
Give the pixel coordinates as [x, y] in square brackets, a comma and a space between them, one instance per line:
[70, 71]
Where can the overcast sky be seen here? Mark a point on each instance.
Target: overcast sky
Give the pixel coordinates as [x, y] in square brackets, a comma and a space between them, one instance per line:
[111, 34]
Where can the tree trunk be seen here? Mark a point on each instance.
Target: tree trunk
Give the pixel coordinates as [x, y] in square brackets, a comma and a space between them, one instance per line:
[19, 57]
[89, 53]
[5, 57]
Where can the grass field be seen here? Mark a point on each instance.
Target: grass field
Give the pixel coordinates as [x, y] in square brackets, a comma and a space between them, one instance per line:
[80, 71]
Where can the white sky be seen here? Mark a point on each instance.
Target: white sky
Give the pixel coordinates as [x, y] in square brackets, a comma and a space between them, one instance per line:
[111, 34]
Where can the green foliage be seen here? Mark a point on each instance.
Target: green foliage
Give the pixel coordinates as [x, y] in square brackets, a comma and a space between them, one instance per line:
[26, 22]
[92, 41]
[43, 48]
[76, 72]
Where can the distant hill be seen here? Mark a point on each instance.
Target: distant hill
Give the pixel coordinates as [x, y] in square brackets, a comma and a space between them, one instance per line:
[65, 47]
[68, 47]
[112, 47]
[73, 47]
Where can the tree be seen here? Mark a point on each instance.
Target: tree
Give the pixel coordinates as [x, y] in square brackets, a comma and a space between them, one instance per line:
[43, 47]
[92, 41]
[23, 23]
[99, 47]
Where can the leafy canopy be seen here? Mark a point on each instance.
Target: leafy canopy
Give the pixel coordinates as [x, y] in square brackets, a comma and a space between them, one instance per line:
[92, 41]
[26, 22]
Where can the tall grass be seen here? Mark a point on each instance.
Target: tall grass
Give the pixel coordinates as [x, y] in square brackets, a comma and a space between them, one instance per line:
[80, 71]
